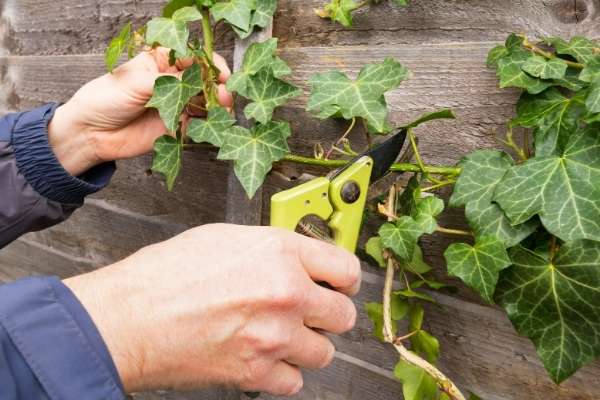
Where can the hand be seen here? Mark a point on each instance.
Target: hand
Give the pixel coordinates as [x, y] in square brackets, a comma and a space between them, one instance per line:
[222, 305]
[107, 119]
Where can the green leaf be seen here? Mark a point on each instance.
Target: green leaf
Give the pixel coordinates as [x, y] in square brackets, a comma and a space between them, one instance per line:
[213, 129]
[487, 219]
[479, 265]
[474, 397]
[173, 32]
[401, 237]
[413, 294]
[171, 95]
[407, 201]
[267, 93]
[562, 189]
[175, 5]
[540, 67]
[416, 383]
[556, 304]
[422, 343]
[375, 314]
[553, 116]
[167, 158]
[481, 171]
[440, 114]
[117, 46]
[399, 307]
[591, 72]
[238, 13]
[417, 265]
[427, 211]
[511, 74]
[261, 17]
[580, 48]
[340, 11]
[592, 102]
[254, 151]
[257, 57]
[334, 93]
[496, 54]
[401, 2]
[374, 248]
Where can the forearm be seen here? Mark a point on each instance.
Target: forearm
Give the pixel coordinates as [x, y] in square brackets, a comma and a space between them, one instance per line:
[37, 192]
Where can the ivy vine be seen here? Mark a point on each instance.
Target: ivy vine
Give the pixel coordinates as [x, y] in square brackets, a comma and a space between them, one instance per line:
[533, 246]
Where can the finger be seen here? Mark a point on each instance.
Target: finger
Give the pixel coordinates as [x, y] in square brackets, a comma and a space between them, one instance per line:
[163, 61]
[221, 63]
[327, 263]
[283, 380]
[225, 98]
[329, 310]
[311, 350]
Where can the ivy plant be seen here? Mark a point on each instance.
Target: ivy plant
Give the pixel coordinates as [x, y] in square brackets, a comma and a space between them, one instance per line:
[533, 208]
[341, 10]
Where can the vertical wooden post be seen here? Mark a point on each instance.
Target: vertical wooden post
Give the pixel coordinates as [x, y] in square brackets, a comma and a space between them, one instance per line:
[240, 209]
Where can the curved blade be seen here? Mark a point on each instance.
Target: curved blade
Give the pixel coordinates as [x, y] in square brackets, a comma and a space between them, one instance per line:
[383, 155]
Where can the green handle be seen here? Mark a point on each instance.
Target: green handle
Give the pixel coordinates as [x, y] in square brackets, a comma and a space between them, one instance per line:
[325, 199]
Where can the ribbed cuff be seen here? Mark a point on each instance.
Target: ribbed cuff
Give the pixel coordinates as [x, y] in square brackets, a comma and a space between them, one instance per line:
[38, 163]
[58, 340]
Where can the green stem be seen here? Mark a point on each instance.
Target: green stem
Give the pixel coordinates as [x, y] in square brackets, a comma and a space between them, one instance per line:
[510, 142]
[439, 185]
[546, 54]
[210, 83]
[415, 147]
[344, 136]
[398, 167]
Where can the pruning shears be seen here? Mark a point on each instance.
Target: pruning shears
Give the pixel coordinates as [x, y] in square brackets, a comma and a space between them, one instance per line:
[340, 197]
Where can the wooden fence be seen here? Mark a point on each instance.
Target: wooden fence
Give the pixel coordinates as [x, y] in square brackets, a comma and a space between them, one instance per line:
[50, 48]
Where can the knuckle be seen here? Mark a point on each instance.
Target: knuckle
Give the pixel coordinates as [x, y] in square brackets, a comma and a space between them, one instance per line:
[254, 374]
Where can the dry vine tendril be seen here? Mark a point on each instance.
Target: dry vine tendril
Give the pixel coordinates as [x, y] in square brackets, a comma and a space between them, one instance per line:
[534, 244]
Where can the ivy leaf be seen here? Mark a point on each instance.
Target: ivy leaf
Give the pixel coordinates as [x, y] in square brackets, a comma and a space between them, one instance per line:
[413, 294]
[580, 48]
[399, 307]
[171, 95]
[175, 5]
[416, 383]
[496, 54]
[592, 102]
[237, 12]
[257, 57]
[254, 151]
[591, 72]
[167, 158]
[556, 304]
[417, 265]
[401, 237]
[427, 211]
[422, 342]
[261, 17]
[511, 74]
[267, 93]
[540, 67]
[481, 170]
[374, 248]
[440, 114]
[479, 265]
[117, 46]
[553, 117]
[339, 11]
[173, 32]
[375, 314]
[213, 129]
[333, 92]
[487, 219]
[562, 189]
[407, 201]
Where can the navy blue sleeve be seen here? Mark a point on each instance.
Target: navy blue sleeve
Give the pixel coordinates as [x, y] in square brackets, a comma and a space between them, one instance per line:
[50, 348]
[36, 191]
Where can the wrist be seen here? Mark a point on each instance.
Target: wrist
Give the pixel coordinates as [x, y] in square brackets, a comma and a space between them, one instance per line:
[73, 145]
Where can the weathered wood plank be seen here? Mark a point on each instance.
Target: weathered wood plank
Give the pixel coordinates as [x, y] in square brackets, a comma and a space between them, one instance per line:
[71, 27]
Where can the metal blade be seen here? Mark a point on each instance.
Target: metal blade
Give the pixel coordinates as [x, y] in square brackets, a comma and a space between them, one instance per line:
[383, 155]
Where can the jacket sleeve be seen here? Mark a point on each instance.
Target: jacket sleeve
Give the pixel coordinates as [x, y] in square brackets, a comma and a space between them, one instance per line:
[49, 346]
[35, 190]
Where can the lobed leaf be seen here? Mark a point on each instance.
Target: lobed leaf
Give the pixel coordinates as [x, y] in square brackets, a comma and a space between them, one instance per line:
[167, 158]
[254, 151]
[238, 13]
[580, 48]
[479, 265]
[374, 248]
[422, 342]
[173, 32]
[401, 237]
[334, 93]
[260, 17]
[564, 189]
[171, 95]
[556, 304]
[213, 129]
[540, 67]
[117, 46]
[416, 383]
[427, 211]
